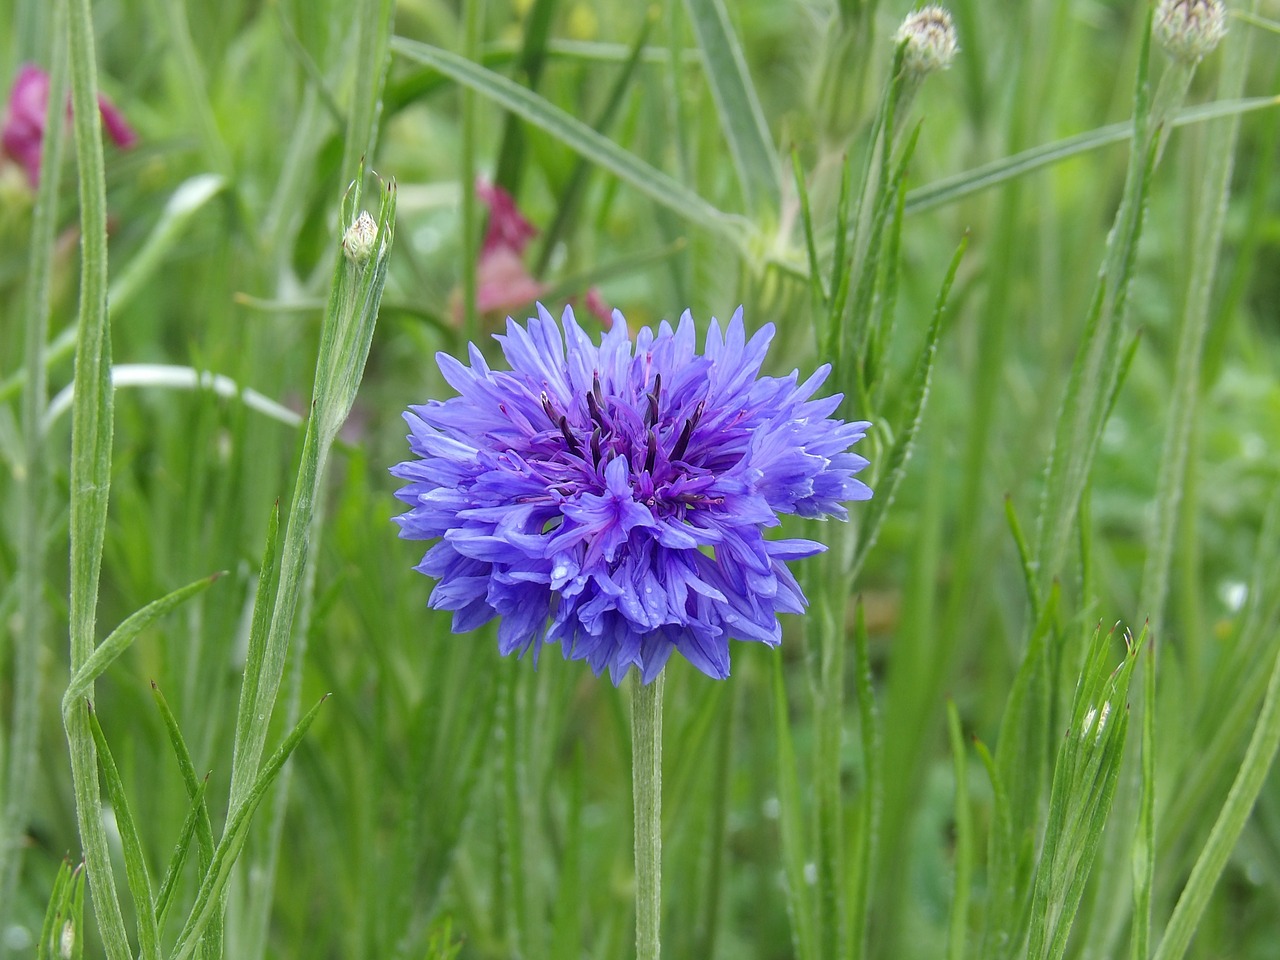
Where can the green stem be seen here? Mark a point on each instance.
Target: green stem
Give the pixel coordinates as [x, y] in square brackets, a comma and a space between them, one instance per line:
[646, 782]
[28, 677]
[1227, 829]
[91, 427]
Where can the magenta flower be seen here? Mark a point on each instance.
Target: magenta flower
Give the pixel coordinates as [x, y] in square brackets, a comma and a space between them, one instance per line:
[22, 138]
[503, 282]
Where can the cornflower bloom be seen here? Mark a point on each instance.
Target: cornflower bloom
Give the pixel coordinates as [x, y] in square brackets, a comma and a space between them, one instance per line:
[614, 498]
[22, 135]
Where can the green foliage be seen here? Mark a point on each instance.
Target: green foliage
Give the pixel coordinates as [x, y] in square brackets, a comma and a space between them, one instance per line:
[1043, 276]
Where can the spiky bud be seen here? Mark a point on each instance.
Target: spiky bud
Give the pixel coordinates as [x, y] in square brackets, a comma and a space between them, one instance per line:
[358, 242]
[930, 38]
[1189, 30]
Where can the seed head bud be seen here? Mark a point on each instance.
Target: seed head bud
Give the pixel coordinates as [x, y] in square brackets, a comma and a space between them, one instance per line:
[930, 39]
[358, 241]
[1189, 30]
[67, 941]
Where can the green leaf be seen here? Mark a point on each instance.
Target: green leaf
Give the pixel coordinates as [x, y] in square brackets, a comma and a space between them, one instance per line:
[575, 134]
[959, 924]
[122, 636]
[791, 822]
[918, 393]
[738, 106]
[233, 839]
[196, 814]
[135, 861]
[950, 189]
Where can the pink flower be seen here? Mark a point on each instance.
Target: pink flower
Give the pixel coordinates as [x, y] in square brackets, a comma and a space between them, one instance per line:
[503, 282]
[22, 138]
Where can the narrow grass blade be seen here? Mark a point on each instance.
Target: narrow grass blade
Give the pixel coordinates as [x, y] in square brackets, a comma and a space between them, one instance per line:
[119, 640]
[1024, 557]
[62, 933]
[791, 822]
[1227, 828]
[918, 394]
[194, 784]
[575, 134]
[958, 928]
[372, 56]
[950, 189]
[135, 860]
[184, 204]
[1144, 841]
[738, 107]
[18, 766]
[91, 434]
[233, 839]
[816, 287]
[197, 814]
[529, 64]
[575, 184]
[864, 864]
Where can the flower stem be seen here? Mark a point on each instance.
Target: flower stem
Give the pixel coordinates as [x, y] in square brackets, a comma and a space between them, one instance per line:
[646, 781]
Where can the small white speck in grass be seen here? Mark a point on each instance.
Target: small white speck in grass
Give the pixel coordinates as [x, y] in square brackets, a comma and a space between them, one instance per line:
[1233, 594]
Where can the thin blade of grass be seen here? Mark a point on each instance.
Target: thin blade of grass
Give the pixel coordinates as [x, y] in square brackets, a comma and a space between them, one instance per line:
[872, 799]
[950, 189]
[791, 822]
[575, 184]
[233, 839]
[575, 134]
[197, 813]
[119, 640]
[194, 784]
[91, 435]
[135, 861]
[918, 394]
[738, 107]
[958, 927]
[533, 56]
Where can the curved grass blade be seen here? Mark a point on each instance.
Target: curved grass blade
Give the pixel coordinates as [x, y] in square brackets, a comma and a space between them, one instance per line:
[197, 814]
[950, 189]
[122, 636]
[233, 840]
[177, 377]
[791, 822]
[738, 106]
[135, 863]
[575, 134]
[918, 392]
[193, 783]
[959, 923]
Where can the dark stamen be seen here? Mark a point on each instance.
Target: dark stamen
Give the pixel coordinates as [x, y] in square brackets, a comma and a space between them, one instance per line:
[652, 453]
[593, 407]
[595, 387]
[569, 438]
[682, 443]
[548, 409]
[595, 446]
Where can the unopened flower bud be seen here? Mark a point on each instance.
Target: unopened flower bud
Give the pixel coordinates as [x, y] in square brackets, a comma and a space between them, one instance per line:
[67, 942]
[1189, 30]
[930, 39]
[358, 241]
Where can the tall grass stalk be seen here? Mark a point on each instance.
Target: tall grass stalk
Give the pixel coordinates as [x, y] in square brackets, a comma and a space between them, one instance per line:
[19, 763]
[646, 781]
[91, 435]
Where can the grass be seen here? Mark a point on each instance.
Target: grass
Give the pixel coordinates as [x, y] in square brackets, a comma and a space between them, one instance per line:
[211, 630]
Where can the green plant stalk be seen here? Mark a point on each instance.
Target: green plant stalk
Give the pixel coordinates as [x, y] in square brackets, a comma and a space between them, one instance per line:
[646, 785]
[472, 17]
[28, 677]
[959, 924]
[344, 347]
[373, 38]
[1206, 240]
[1226, 830]
[91, 428]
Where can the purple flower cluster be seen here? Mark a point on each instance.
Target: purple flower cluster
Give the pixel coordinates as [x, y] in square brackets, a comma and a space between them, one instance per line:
[615, 498]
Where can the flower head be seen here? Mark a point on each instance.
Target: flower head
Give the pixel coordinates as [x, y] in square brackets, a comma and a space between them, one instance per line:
[614, 498]
[22, 136]
[930, 39]
[1189, 30]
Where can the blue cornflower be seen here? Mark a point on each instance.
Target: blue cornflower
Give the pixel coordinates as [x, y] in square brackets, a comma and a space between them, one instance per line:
[614, 498]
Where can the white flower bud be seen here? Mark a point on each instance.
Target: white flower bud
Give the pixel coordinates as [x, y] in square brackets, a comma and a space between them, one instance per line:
[1189, 30]
[359, 240]
[67, 942]
[930, 37]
